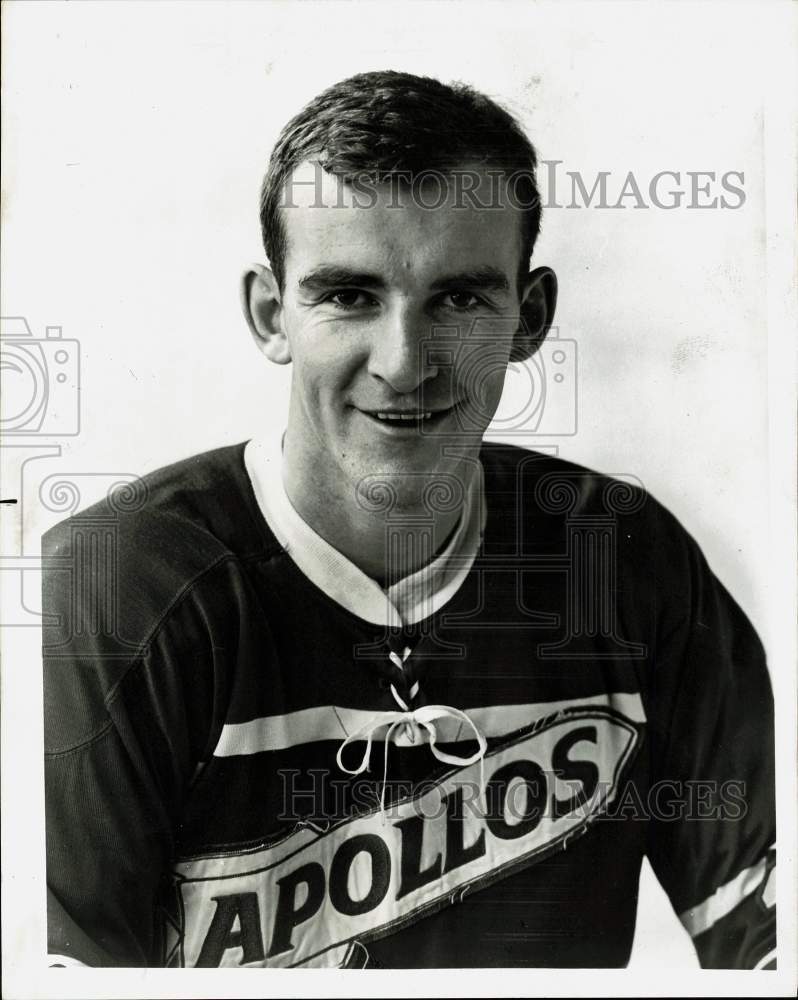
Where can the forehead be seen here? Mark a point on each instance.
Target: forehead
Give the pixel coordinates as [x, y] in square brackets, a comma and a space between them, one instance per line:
[412, 229]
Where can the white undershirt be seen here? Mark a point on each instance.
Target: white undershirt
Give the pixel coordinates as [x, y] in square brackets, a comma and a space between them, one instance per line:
[409, 600]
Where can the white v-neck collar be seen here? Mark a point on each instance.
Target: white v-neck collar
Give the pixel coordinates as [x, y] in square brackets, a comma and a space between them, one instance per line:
[409, 600]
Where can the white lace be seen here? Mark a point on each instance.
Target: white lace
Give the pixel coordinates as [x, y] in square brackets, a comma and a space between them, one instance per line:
[424, 717]
[399, 661]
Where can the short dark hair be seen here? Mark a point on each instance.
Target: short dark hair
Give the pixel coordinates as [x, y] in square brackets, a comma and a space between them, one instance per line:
[385, 122]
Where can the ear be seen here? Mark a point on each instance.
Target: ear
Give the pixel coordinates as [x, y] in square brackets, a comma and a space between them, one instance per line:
[263, 311]
[538, 302]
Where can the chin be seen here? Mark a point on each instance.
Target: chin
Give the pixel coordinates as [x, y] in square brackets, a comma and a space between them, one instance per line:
[414, 487]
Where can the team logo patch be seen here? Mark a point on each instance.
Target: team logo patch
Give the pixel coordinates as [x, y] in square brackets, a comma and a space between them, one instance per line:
[306, 900]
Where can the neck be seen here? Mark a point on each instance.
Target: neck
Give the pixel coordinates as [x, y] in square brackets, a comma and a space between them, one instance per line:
[385, 545]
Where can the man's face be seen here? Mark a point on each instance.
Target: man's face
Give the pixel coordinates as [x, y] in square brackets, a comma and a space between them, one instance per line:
[374, 393]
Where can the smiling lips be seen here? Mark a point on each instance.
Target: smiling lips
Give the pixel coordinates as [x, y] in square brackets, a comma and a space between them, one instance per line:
[405, 419]
[394, 415]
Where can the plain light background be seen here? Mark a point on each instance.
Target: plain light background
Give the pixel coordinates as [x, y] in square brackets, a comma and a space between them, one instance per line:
[135, 139]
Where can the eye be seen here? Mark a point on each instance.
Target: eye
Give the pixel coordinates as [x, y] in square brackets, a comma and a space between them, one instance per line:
[350, 298]
[461, 301]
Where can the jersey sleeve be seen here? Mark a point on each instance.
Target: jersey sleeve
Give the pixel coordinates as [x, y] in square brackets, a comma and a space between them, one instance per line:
[128, 696]
[711, 839]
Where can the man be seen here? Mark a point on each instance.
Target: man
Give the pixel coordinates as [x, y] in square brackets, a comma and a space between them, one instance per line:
[370, 692]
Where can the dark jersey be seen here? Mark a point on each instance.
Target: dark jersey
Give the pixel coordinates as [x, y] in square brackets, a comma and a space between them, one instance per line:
[231, 781]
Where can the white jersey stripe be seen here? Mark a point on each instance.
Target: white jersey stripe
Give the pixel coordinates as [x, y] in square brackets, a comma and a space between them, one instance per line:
[55, 961]
[765, 959]
[330, 722]
[769, 892]
[700, 918]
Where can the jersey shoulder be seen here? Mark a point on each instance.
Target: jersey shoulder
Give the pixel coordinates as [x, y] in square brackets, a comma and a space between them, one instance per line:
[120, 566]
[558, 486]
[540, 495]
[181, 518]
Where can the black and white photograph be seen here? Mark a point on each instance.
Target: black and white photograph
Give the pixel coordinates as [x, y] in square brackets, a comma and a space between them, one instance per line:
[398, 506]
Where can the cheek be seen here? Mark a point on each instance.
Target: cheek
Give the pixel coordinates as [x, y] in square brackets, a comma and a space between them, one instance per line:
[323, 377]
[324, 359]
[480, 374]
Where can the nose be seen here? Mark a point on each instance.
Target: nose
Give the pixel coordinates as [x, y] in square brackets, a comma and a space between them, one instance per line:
[399, 351]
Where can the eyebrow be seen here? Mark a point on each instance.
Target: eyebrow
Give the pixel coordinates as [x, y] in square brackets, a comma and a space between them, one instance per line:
[483, 278]
[330, 276]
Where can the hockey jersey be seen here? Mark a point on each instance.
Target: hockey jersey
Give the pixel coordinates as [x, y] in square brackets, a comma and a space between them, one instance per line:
[243, 770]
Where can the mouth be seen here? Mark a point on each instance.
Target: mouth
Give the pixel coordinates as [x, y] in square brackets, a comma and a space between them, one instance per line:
[399, 421]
